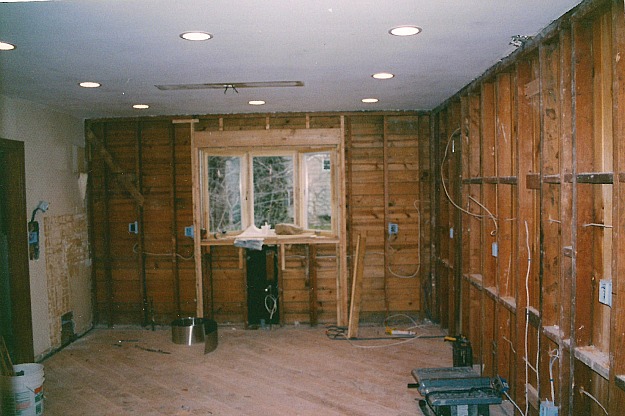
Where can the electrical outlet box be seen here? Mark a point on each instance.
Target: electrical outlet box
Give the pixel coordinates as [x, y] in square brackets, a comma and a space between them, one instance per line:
[548, 408]
[188, 231]
[605, 292]
[451, 232]
[494, 250]
[133, 227]
[393, 228]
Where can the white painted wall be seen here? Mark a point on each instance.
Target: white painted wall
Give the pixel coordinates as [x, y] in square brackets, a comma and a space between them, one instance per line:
[48, 138]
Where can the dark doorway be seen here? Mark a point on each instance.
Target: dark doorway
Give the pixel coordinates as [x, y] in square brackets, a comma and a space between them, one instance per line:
[262, 286]
[15, 307]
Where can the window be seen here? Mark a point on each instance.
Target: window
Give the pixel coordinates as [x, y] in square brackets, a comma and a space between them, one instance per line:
[273, 190]
[224, 193]
[258, 187]
[318, 191]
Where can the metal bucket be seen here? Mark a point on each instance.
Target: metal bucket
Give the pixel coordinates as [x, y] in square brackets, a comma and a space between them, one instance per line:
[188, 331]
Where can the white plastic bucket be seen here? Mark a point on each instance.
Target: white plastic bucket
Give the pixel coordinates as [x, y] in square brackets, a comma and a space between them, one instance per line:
[22, 395]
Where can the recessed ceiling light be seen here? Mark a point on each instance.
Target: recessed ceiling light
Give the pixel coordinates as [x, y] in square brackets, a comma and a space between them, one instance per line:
[405, 30]
[196, 36]
[6, 46]
[369, 100]
[383, 75]
[256, 102]
[90, 84]
[141, 106]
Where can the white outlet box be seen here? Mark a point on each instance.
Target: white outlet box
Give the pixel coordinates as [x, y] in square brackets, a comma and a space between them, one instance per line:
[605, 292]
[494, 250]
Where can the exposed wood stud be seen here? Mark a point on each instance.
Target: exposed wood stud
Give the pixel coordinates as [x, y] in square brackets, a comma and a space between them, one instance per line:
[115, 169]
[147, 304]
[174, 220]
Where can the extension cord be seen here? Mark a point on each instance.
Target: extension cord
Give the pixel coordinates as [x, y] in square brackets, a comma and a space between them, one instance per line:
[399, 332]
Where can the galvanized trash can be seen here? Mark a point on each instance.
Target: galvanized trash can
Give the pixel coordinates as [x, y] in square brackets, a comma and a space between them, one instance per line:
[187, 331]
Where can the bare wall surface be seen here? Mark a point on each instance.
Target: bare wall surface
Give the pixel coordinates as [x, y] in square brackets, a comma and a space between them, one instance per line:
[48, 138]
[68, 268]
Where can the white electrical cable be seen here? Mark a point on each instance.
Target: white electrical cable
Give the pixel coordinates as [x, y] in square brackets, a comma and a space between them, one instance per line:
[581, 390]
[392, 250]
[271, 309]
[552, 360]
[466, 211]
[513, 402]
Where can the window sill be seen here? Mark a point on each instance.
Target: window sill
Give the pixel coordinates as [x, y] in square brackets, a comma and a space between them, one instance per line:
[276, 239]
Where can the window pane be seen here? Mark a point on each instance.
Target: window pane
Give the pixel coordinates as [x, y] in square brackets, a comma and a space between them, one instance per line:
[318, 193]
[224, 193]
[273, 190]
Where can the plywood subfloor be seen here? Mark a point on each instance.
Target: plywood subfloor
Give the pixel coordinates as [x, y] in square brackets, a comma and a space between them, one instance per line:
[285, 371]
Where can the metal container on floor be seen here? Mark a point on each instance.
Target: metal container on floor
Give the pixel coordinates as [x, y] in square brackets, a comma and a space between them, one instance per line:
[188, 331]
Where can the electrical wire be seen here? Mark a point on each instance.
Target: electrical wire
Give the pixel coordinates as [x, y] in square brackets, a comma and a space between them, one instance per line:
[527, 312]
[273, 307]
[392, 250]
[581, 390]
[514, 403]
[135, 249]
[552, 360]
[466, 211]
[340, 333]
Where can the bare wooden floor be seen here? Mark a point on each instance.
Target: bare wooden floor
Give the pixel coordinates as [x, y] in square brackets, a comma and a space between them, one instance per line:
[285, 371]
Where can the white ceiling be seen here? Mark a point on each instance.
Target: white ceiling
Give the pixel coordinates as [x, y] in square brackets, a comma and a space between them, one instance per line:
[332, 46]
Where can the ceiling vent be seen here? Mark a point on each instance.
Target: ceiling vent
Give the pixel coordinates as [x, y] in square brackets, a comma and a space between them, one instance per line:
[230, 85]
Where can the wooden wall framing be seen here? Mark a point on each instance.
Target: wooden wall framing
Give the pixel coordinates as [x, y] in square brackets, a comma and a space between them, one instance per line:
[387, 179]
[537, 143]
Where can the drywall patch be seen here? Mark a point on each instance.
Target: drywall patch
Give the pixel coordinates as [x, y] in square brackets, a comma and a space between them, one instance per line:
[68, 269]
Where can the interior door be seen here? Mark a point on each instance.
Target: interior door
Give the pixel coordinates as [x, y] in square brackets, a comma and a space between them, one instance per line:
[15, 302]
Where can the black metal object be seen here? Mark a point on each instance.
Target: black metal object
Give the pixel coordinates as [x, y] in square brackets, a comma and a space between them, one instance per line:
[462, 351]
[262, 286]
[456, 391]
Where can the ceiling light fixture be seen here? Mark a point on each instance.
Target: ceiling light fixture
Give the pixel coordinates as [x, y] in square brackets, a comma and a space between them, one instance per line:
[141, 106]
[383, 75]
[405, 30]
[256, 102]
[90, 84]
[6, 46]
[370, 100]
[196, 36]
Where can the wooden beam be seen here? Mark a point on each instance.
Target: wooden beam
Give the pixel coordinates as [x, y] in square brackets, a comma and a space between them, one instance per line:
[174, 219]
[387, 219]
[268, 138]
[311, 256]
[342, 291]
[120, 175]
[359, 266]
[617, 331]
[147, 302]
[197, 224]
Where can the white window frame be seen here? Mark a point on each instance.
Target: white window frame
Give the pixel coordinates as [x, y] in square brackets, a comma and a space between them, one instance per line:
[246, 155]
